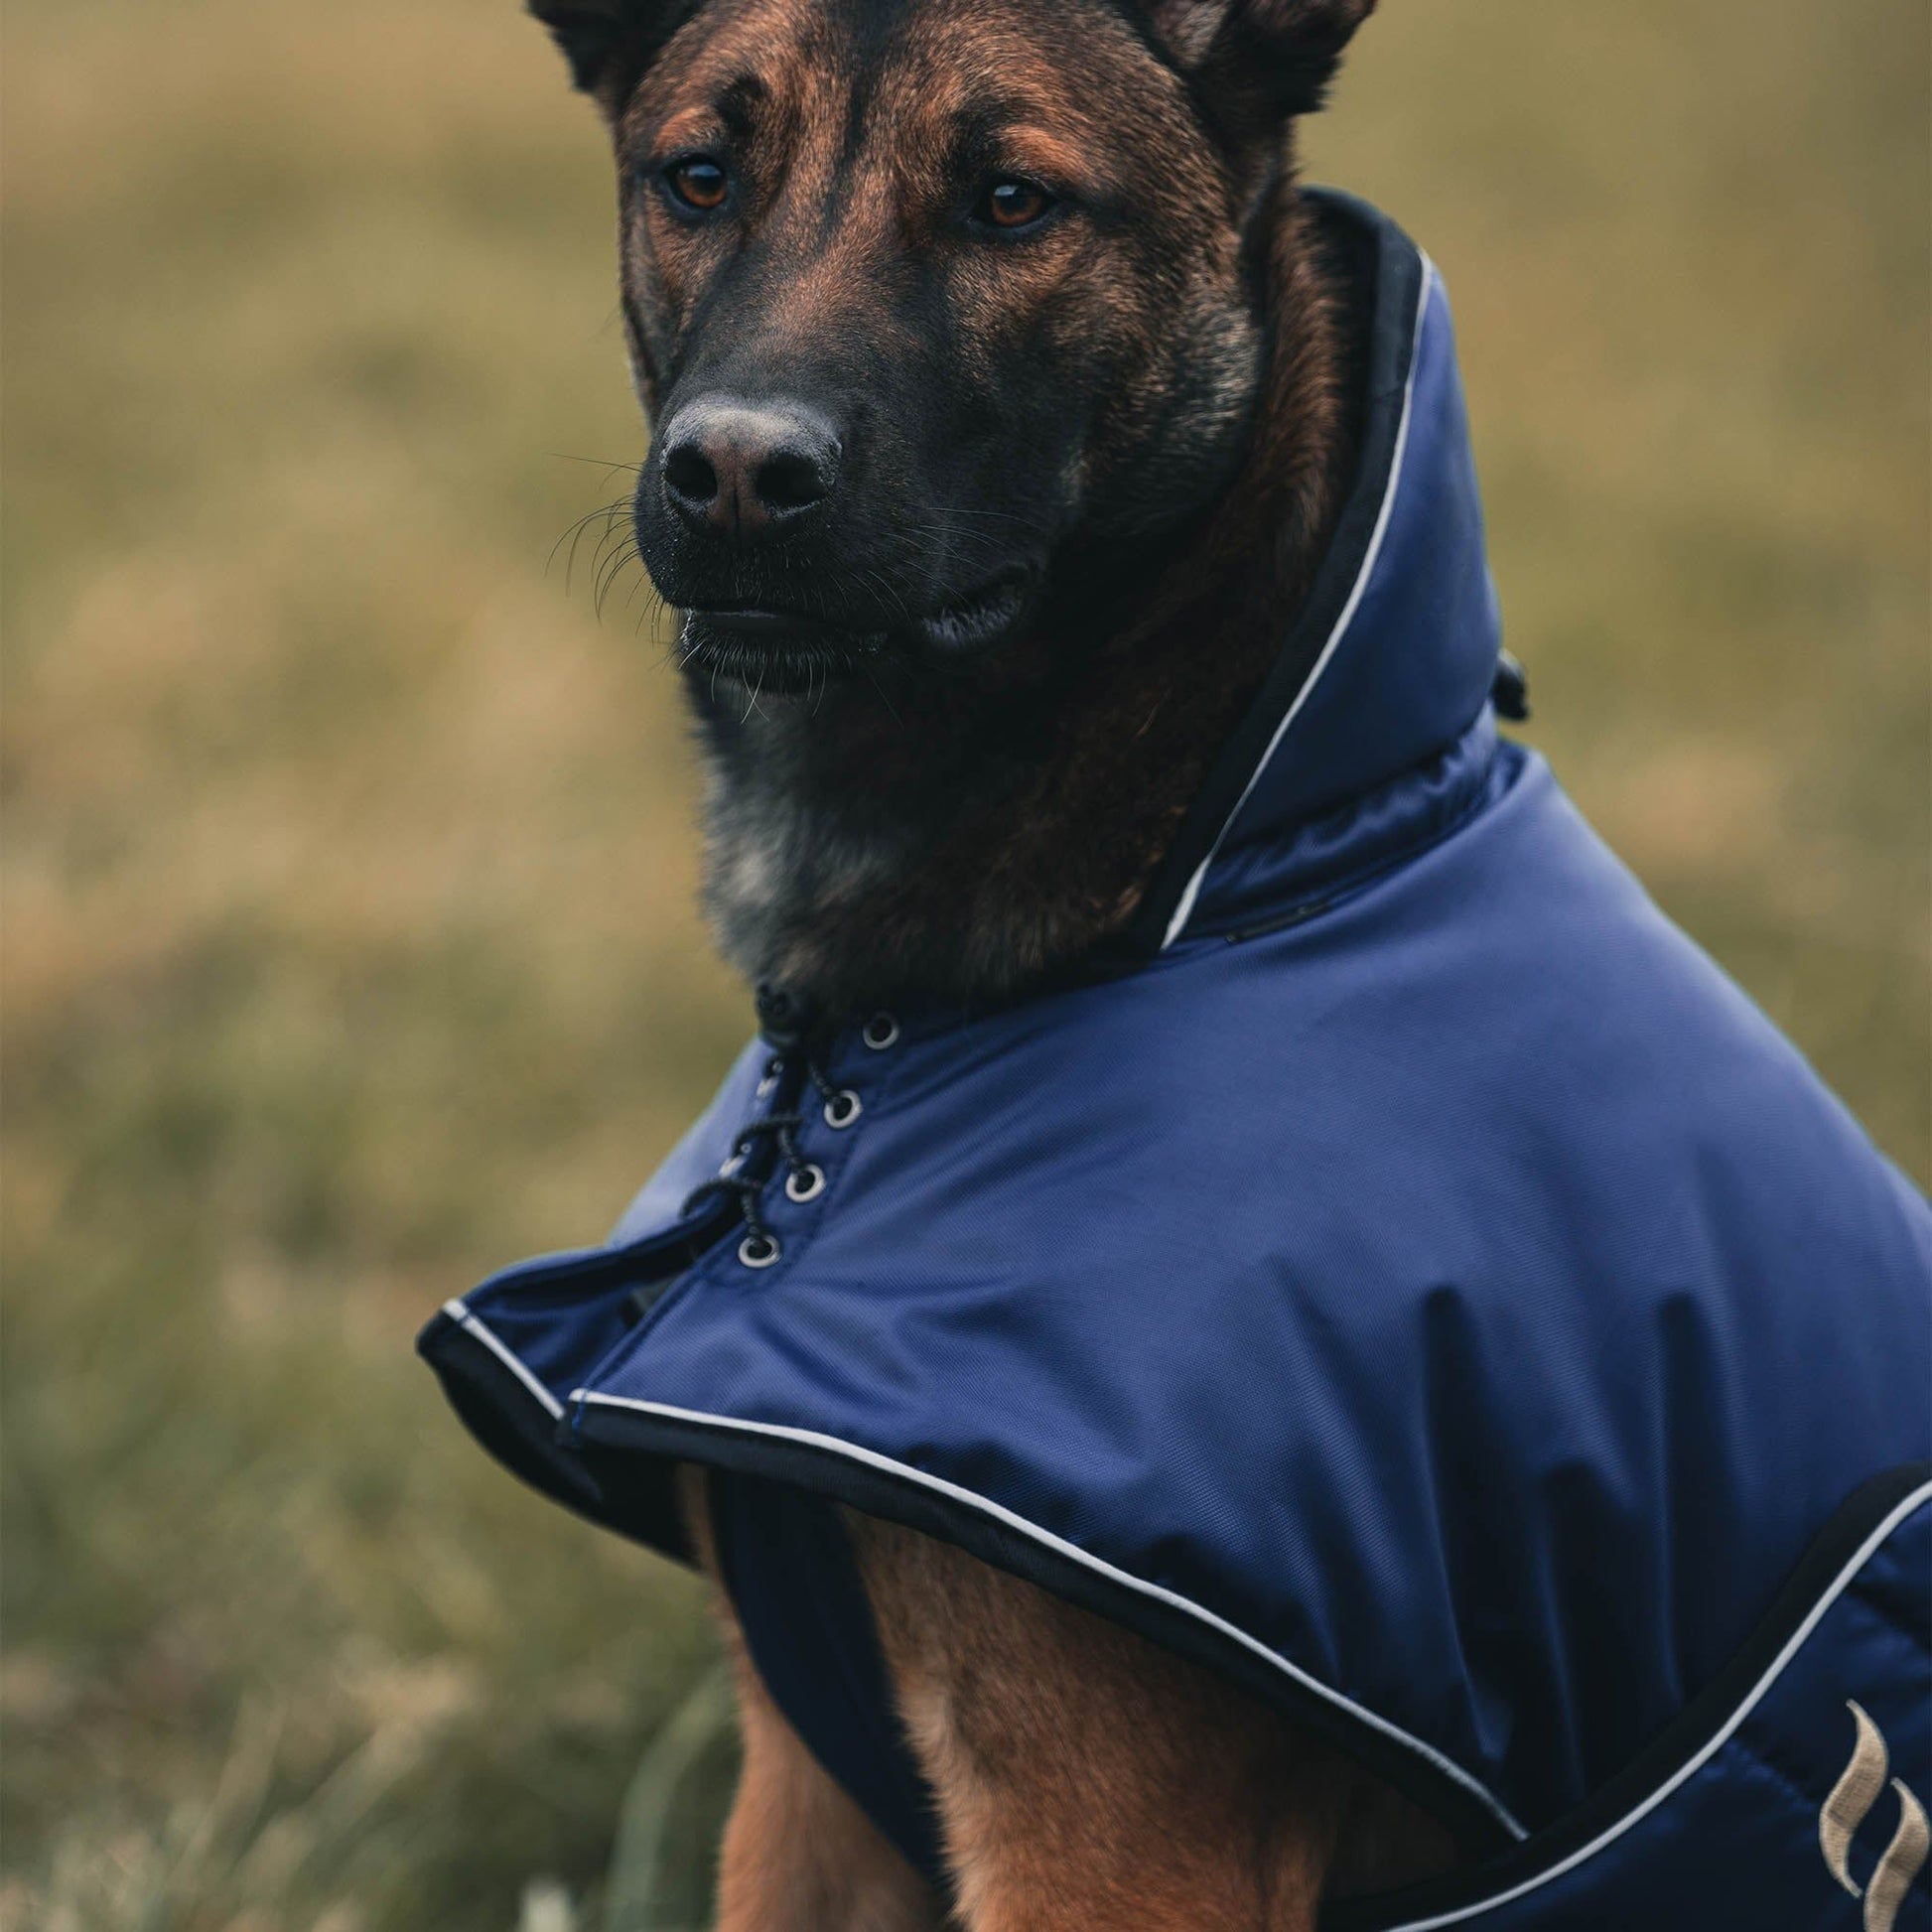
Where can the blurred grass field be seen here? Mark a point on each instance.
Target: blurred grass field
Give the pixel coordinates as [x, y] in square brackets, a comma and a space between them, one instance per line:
[348, 939]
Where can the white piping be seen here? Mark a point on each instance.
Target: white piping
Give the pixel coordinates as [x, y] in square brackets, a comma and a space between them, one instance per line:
[1184, 909]
[1915, 1501]
[458, 1312]
[855, 1453]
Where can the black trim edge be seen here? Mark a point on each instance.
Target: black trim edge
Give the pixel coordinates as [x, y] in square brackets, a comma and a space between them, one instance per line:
[874, 1491]
[523, 1437]
[1822, 1564]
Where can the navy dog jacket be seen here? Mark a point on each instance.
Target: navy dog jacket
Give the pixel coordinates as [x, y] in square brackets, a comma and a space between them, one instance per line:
[1405, 1275]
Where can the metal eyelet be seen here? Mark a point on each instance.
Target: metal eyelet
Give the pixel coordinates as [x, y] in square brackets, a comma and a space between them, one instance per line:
[806, 1183]
[769, 1077]
[731, 1165]
[758, 1251]
[879, 1032]
[842, 1109]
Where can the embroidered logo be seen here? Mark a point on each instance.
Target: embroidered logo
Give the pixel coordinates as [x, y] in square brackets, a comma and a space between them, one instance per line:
[1850, 1805]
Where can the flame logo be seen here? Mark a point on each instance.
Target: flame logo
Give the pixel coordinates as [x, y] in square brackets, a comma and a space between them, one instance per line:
[1852, 1797]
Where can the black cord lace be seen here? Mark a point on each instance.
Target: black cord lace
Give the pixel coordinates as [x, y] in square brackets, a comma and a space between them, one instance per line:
[747, 1188]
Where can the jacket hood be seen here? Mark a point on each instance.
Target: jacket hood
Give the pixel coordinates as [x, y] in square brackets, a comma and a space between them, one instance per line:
[1394, 656]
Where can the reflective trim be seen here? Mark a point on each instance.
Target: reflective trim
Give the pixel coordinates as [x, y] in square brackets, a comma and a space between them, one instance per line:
[471, 1325]
[1184, 909]
[1751, 1699]
[855, 1453]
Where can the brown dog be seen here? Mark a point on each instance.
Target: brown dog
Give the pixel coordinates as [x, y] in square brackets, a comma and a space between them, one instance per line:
[996, 364]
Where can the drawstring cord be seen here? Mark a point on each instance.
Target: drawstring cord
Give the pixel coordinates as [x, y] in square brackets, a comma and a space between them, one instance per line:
[785, 1022]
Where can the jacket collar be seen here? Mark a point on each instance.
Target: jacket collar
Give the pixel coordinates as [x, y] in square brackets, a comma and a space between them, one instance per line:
[1390, 665]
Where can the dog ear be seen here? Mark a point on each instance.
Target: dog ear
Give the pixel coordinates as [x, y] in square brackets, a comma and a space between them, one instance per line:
[610, 43]
[1265, 60]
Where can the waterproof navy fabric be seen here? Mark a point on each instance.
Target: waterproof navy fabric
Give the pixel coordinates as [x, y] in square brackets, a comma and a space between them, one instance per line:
[1408, 1275]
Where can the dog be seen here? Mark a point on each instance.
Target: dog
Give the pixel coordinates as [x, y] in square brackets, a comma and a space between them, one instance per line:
[1103, 414]
[1013, 402]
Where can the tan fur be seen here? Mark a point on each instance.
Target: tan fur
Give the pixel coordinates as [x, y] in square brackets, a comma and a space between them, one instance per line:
[798, 1856]
[1086, 1780]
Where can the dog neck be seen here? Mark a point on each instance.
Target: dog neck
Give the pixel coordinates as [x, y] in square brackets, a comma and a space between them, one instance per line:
[955, 839]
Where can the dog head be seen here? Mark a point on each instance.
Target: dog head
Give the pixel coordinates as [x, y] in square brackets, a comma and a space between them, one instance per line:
[943, 310]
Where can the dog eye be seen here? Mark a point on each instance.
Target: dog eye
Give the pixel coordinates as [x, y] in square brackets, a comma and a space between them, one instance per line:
[1012, 203]
[697, 183]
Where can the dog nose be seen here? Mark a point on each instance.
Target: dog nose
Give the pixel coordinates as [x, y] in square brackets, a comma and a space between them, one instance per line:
[741, 473]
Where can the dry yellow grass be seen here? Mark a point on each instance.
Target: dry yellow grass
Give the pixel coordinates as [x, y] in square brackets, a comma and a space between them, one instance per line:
[348, 941]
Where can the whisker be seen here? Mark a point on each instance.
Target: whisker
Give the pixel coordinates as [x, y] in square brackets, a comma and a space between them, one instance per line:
[1000, 516]
[873, 677]
[654, 608]
[574, 534]
[597, 462]
[626, 556]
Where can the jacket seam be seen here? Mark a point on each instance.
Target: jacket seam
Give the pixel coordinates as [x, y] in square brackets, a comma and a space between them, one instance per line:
[1351, 886]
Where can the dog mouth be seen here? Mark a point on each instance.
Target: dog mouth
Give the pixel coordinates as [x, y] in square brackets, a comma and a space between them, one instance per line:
[774, 651]
[794, 652]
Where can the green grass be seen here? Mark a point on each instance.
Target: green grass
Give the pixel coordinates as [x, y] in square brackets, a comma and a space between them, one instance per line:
[348, 940]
